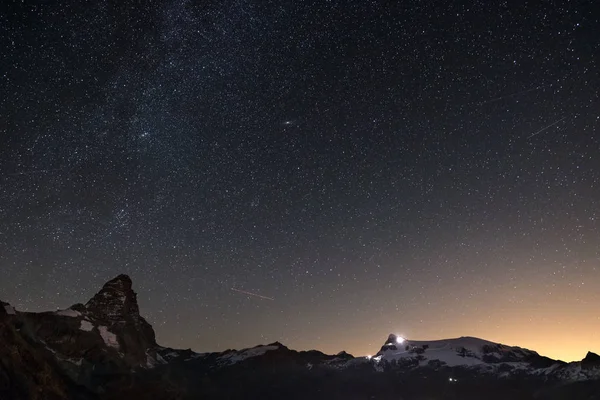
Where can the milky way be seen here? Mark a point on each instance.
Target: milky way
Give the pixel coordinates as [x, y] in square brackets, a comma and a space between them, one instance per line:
[425, 169]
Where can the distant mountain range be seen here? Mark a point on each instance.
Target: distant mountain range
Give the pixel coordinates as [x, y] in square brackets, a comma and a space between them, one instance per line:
[104, 349]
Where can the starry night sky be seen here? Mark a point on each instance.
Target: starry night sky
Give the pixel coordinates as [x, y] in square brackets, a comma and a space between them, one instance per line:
[430, 169]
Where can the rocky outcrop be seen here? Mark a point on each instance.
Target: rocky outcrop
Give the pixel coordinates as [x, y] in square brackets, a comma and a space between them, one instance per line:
[6, 309]
[391, 344]
[591, 361]
[392, 339]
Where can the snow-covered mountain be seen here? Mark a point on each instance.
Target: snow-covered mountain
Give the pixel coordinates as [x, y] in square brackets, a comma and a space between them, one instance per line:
[104, 349]
[463, 351]
[482, 356]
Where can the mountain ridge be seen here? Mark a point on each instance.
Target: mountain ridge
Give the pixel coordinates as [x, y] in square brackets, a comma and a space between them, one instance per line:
[106, 346]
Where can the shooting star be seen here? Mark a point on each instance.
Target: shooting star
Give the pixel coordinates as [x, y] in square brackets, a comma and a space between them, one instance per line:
[253, 294]
[544, 128]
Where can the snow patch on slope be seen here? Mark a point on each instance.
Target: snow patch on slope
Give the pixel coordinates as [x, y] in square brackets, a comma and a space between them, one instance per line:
[86, 325]
[69, 313]
[109, 338]
[196, 356]
[10, 310]
[152, 361]
[237, 356]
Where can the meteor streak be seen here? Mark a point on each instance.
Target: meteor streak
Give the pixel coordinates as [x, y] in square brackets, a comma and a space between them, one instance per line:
[252, 294]
[544, 128]
[515, 94]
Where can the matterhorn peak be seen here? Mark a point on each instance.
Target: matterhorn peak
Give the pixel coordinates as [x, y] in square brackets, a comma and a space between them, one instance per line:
[114, 309]
[122, 282]
[115, 301]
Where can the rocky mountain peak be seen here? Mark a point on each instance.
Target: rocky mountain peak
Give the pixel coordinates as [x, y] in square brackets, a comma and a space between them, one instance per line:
[344, 355]
[277, 344]
[591, 360]
[107, 328]
[392, 338]
[116, 305]
[115, 301]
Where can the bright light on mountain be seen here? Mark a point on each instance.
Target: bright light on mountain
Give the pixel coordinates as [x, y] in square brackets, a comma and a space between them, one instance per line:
[399, 339]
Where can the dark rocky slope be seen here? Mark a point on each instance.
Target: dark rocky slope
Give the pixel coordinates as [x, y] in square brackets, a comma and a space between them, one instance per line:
[27, 369]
